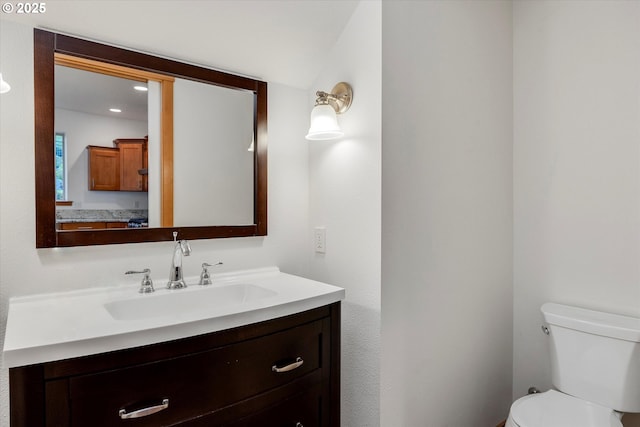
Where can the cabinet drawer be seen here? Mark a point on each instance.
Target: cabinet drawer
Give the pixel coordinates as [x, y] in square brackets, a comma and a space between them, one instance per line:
[82, 225]
[196, 384]
[91, 225]
[116, 225]
[303, 410]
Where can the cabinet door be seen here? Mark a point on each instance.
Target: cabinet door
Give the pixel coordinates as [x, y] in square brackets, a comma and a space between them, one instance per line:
[104, 169]
[131, 161]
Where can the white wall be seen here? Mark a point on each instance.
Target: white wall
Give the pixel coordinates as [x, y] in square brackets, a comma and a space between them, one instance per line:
[576, 167]
[446, 213]
[344, 188]
[82, 129]
[25, 270]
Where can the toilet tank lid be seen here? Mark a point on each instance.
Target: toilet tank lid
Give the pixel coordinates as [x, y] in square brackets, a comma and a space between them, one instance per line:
[594, 322]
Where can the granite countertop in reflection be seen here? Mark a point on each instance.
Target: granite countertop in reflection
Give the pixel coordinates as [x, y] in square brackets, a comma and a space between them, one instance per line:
[99, 215]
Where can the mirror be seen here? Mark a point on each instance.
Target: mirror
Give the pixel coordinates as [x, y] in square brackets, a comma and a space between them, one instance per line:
[203, 181]
[214, 122]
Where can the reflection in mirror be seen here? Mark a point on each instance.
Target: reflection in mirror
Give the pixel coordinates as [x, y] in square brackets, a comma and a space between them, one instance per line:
[95, 110]
[220, 186]
[213, 131]
[84, 117]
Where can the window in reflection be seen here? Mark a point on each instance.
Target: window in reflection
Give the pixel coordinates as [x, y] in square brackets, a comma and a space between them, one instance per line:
[61, 167]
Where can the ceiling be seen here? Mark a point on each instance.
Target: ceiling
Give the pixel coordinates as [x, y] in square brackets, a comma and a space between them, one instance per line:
[94, 93]
[283, 41]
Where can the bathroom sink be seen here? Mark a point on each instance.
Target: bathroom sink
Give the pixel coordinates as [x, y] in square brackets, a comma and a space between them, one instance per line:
[187, 301]
[44, 328]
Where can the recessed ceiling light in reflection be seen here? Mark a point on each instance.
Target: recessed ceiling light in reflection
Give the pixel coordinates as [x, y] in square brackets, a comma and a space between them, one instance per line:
[141, 88]
[115, 110]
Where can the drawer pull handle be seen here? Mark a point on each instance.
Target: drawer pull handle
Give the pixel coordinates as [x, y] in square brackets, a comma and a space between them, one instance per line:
[144, 411]
[289, 367]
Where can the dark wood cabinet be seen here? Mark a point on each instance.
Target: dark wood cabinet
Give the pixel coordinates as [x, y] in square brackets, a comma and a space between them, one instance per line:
[279, 373]
[301, 410]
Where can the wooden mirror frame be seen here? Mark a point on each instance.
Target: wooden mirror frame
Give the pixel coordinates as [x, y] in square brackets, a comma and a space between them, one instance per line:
[46, 45]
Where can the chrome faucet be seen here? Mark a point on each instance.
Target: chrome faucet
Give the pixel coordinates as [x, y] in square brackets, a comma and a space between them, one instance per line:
[146, 286]
[205, 277]
[181, 248]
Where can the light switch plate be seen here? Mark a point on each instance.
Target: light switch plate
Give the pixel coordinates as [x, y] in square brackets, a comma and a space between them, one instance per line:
[320, 240]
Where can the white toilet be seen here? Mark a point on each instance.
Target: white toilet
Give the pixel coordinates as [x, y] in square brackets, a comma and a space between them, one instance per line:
[595, 366]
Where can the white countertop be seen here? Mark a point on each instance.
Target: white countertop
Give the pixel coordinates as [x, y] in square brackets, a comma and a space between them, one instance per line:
[44, 328]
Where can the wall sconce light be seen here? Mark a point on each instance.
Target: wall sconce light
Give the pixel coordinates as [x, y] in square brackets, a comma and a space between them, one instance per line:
[324, 123]
[4, 86]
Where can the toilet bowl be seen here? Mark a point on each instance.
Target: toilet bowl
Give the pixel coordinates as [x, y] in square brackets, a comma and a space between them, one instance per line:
[555, 409]
[595, 369]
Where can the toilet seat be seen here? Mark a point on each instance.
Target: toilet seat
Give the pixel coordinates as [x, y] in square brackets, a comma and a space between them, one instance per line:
[555, 409]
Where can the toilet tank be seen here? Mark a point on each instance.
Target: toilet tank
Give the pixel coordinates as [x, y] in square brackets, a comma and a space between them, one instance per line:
[595, 356]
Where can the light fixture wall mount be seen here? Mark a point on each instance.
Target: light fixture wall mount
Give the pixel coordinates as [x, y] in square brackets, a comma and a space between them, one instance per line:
[340, 97]
[324, 123]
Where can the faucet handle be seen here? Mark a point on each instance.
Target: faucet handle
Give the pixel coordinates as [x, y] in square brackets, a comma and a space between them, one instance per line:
[146, 285]
[205, 277]
[185, 247]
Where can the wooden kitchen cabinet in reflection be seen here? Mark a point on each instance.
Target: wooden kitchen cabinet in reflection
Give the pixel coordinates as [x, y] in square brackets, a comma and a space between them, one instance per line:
[133, 163]
[121, 168]
[104, 168]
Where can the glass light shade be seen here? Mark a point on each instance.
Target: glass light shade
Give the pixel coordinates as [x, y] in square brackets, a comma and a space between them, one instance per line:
[324, 124]
[4, 86]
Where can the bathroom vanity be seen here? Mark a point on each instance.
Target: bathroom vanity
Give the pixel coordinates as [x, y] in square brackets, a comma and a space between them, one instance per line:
[265, 359]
